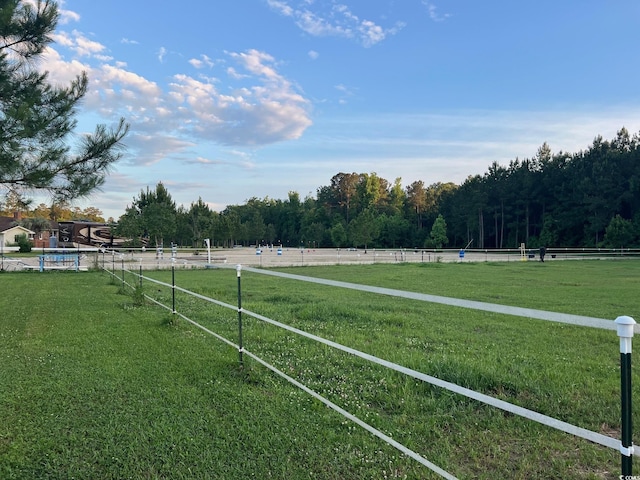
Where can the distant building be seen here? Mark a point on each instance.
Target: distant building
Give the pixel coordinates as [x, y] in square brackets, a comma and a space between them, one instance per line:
[70, 234]
[10, 231]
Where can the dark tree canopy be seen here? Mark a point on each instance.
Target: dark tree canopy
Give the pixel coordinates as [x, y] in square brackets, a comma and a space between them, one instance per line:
[37, 118]
[152, 216]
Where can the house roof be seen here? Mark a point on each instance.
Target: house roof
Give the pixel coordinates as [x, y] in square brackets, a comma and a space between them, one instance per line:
[7, 223]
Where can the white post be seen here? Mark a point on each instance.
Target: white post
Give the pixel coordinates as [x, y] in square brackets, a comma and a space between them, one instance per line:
[625, 326]
[208, 244]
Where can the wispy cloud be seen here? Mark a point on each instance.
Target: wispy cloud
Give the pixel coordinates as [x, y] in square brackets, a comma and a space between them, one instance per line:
[281, 7]
[239, 160]
[161, 54]
[345, 93]
[67, 16]
[202, 62]
[433, 12]
[323, 19]
[78, 43]
[203, 161]
[149, 149]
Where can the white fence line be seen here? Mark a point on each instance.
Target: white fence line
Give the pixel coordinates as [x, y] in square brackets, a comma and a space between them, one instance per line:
[452, 387]
[548, 421]
[410, 453]
[454, 302]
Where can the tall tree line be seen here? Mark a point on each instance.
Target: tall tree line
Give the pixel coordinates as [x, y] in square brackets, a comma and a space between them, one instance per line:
[585, 199]
[554, 200]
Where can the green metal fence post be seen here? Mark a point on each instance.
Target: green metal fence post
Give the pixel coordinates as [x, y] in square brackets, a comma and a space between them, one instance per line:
[625, 326]
[173, 289]
[240, 346]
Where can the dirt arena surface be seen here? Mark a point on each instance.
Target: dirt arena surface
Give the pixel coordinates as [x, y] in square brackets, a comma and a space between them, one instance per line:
[288, 257]
[281, 257]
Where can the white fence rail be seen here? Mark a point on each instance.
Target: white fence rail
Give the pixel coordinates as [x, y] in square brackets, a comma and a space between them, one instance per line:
[595, 437]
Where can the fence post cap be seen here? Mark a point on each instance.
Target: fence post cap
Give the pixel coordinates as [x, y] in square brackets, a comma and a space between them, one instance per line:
[239, 269]
[625, 326]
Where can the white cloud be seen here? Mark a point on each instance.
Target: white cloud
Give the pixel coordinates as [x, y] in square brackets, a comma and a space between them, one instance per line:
[80, 45]
[60, 70]
[258, 105]
[281, 7]
[336, 21]
[433, 12]
[313, 55]
[265, 109]
[258, 63]
[203, 61]
[233, 73]
[253, 105]
[345, 92]
[318, 26]
[161, 54]
[103, 58]
[67, 16]
[114, 74]
[371, 33]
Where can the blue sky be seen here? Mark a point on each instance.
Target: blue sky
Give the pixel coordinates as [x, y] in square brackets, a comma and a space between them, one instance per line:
[229, 100]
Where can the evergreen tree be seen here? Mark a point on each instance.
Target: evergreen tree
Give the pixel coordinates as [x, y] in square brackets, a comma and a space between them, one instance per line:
[151, 216]
[199, 220]
[338, 235]
[619, 233]
[37, 118]
[364, 229]
[438, 235]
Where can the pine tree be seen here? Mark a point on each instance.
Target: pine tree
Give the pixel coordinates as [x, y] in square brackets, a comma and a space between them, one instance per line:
[37, 118]
[152, 216]
[438, 234]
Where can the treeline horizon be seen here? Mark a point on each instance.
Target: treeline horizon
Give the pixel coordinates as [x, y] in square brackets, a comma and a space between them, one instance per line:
[590, 198]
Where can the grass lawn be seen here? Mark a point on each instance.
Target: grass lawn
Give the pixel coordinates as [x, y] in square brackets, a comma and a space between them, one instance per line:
[93, 385]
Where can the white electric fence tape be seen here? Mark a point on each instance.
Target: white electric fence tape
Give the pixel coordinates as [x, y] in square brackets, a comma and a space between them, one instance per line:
[506, 406]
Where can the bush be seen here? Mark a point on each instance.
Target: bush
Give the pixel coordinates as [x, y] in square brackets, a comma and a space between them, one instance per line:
[23, 243]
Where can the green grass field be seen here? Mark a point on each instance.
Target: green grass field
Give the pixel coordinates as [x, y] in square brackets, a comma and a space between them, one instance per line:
[95, 385]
